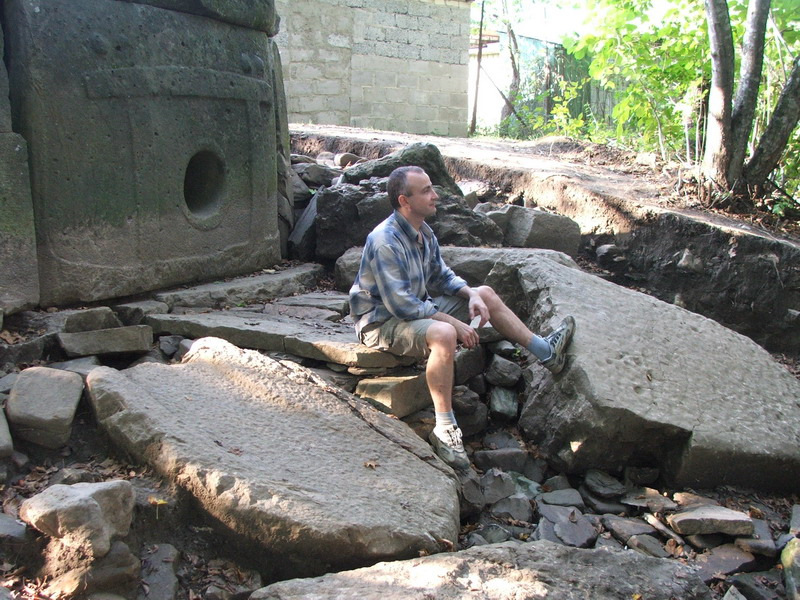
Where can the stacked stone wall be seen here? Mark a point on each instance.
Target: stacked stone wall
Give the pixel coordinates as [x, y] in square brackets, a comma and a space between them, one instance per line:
[400, 65]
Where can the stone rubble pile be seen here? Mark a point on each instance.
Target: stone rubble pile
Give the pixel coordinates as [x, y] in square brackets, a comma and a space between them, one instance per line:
[511, 500]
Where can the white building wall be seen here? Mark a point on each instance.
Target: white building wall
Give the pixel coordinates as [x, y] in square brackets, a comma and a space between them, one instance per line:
[398, 65]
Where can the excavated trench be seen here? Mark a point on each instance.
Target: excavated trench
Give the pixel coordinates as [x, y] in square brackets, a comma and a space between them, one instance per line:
[736, 274]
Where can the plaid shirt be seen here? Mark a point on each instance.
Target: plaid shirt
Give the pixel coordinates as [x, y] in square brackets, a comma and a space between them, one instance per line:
[399, 273]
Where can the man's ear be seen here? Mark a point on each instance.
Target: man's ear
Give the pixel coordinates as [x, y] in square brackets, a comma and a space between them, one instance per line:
[402, 200]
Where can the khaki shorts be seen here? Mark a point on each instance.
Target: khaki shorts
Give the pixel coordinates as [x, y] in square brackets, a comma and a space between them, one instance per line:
[407, 338]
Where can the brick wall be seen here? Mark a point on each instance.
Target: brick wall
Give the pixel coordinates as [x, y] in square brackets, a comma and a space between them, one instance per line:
[399, 65]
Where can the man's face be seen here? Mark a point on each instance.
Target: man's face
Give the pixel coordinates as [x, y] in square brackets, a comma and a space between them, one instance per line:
[421, 198]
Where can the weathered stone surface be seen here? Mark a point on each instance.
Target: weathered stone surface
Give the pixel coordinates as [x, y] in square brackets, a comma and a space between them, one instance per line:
[334, 301]
[510, 569]
[648, 498]
[601, 505]
[175, 117]
[246, 290]
[19, 277]
[83, 515]
[81, 366]
[119, 340]
[400, 394]
[761, 585]
[254, 14]
[42, 405]
[662, 402]
[711, 519]
[280, 436]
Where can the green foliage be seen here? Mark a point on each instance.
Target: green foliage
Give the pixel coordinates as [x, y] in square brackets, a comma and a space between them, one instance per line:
[654, 57]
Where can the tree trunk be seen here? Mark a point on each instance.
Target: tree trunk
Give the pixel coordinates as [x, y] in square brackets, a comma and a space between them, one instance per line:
[513, 54]
[718, 141]
[744, 105]
[776, 135]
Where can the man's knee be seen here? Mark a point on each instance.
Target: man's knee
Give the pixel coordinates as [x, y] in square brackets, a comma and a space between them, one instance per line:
[489, 296]
[442, 335]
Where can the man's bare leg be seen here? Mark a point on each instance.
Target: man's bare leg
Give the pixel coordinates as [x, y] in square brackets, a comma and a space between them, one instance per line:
[446, 436]
[503, 319]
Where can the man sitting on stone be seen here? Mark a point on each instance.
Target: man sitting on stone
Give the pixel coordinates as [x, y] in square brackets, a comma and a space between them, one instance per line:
[407, 301]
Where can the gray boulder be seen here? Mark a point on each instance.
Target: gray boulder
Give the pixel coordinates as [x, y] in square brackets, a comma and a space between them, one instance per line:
[42, 405]
[83, 515]
[420, 154]
[533, 228]
[644, 379]
[266, 458]
[506, 570]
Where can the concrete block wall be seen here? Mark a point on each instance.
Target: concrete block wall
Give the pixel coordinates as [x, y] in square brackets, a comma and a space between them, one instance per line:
[398, 65]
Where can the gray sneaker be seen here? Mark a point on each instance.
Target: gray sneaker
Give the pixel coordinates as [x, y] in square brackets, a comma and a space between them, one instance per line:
[559, 340]
[449, 447]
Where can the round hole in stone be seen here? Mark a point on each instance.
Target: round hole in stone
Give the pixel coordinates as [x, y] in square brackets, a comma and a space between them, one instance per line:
[203, 183]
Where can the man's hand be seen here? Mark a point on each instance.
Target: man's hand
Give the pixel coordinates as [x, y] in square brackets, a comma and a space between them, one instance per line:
[477, 307]
[466, 334]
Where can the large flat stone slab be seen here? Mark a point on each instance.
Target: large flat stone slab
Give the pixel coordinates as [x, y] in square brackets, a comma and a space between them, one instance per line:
[245, 290]
[646, 382]
[311, 477]
[329, 342]
[502, 571]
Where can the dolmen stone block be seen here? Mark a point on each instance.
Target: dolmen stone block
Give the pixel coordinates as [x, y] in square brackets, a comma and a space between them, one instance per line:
[646, 382]
[510, 569]
[310, 477]
[19, 277]
[253, 14]
[146, 126]
[42, 405]
[82, 515]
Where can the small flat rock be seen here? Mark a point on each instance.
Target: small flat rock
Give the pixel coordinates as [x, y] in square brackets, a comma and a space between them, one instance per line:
[761, 585]
[507, 570]
[118, 340]
[400, 394]
[647, 544]
[516, 507]
[567, 497]
[725, 559]
[506, 459]
[497, 485]
[570, 525]
[267, 456]
[601, 505]
[337, 302]
[711, 519]
[42, 405]
[90, 319]
[648, 498]
[623, 528]
[159, 566]
[602, 484]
